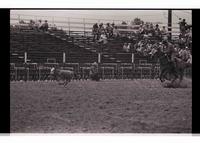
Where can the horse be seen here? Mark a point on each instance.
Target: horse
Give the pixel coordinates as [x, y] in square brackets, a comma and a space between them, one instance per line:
[61, 74]
[170, 70]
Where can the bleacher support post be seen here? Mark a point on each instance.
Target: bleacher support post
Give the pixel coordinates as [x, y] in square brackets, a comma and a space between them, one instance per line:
[170, 23]
[99, 58]
[132, 61]
[64, 57]
[99, 61]
[25, 57]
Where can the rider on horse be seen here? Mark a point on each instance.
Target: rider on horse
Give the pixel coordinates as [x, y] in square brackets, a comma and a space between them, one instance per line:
[171, 53]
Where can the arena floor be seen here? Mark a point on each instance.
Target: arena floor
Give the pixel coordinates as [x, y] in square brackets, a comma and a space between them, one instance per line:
[108, 106]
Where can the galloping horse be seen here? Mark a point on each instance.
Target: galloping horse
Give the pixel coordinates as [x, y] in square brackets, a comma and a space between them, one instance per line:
[168, 70]
[61, 74]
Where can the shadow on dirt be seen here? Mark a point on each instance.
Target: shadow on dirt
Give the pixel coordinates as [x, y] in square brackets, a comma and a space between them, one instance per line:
[186, 83]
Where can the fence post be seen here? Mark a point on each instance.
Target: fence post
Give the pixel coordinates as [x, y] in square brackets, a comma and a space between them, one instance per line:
[27, 74]
[25, 57]
[39, 74]
[132, 61]
[84, 26]
[69, 25]
[64, 57]
[99, 57]
[18, 18]
[122, 72]
[15, 74]
[103, 73]
[113, 73]
[53, 20]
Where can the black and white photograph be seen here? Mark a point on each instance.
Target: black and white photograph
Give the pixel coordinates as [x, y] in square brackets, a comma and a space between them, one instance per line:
[100, 71]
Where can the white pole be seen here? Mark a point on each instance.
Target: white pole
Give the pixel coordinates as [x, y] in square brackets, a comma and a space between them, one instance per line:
[25, 57]
[99, 57]
[64, 57]
[132, 58]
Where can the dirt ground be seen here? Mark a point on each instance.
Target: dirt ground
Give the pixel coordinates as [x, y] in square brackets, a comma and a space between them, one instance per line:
[108, 106]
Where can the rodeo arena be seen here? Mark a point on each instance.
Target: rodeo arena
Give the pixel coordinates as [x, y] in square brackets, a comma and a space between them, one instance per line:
[81, 75]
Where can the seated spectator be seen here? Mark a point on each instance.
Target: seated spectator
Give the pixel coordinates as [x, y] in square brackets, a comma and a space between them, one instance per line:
[113, 25]
[109, 30]
[103, 39]
[39, 24]
[163, 31]
[116, 33]
[124, 23]
[22, 22]
[101, 30]
[32, 24]
[125, 46]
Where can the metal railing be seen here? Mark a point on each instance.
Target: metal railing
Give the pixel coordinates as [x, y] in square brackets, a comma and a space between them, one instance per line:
[41, 72]
[78, 24]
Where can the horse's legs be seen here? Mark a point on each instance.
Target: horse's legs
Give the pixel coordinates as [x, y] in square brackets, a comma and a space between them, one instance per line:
[162, 74]
[175, 77]
[181, 76]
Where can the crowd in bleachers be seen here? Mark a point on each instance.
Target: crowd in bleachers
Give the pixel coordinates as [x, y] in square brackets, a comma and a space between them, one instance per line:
[148, 38]
[145, 39]
[37, 25]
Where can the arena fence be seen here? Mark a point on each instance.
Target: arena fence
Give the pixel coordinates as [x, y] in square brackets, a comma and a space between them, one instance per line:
[41, 72]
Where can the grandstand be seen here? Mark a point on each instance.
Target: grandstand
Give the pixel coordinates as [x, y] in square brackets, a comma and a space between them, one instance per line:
[71, 46]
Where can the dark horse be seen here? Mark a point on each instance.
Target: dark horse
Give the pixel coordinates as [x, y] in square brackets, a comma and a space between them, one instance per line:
[168, 69]
[61, 74]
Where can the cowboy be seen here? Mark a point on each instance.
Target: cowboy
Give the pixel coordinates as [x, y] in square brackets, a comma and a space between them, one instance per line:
[170, 51]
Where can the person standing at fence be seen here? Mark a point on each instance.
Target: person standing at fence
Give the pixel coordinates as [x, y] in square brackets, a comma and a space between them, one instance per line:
[45, 26]
[95, 31]
[94, 72]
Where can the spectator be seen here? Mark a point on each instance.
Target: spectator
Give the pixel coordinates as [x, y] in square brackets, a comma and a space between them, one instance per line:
[157, 31]
[125, 47]
[22, 22]
[39, 24]
[101, 30]
[95, 31]
[116, 33]
[109, 30]
[103, 39]
[45, 26]
[182, 25]
[163, 32]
